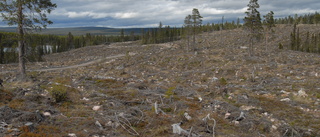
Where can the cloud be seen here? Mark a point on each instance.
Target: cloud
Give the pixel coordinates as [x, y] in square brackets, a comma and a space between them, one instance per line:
[146, 13]
[126, 15]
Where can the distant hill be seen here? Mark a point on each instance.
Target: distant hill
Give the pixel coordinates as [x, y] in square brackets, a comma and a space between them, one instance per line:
[81, 30]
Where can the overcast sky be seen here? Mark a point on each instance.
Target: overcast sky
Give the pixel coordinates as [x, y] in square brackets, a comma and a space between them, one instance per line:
[148, 13]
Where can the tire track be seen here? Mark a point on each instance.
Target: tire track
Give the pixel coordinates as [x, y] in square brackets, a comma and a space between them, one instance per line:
[71, 67]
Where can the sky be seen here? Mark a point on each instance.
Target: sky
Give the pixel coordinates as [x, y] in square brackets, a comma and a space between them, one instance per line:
[148, 13]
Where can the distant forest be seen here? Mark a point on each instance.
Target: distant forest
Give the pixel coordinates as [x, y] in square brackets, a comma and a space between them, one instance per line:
[41, 44]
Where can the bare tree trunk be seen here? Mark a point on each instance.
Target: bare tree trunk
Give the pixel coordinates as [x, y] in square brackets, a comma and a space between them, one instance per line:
[250, 49]
[21, 45]
[188, 42]
[267, 39]
[194, 38]
[251, 52]
[2, 60]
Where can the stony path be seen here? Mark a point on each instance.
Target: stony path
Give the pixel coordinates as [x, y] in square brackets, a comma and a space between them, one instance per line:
[73, 66]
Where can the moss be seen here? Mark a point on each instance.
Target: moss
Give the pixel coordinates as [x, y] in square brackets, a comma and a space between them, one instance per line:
[31, 134]
[167, 109]
[280, 46]
[131, 92]
[318, 95]
[41, 131]
[170, 92]
[294, 116]
[223, 82]
[48, 130]
[63, 80]
[109, 83]
[5, 96]
[16, 104]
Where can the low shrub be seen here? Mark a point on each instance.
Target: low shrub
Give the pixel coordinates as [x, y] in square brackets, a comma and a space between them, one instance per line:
[59, 93]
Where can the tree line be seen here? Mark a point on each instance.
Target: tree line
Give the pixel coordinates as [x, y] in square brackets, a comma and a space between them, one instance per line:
[192, 26]
[308, 42]
[256, 28]
[311, 18]
[37, 45]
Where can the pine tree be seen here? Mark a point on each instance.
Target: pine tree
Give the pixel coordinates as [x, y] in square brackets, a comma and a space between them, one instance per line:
[1, 50]
[188, 26]
[307, 43]
[70, 41]
[160, 33]
[196, 20]
[122, 35]
[252, 23]
[293, 38]
[313, 43]
[222, 23]
[269, 25]
[298, 41]
[318, 43]
[143, 36]
[132, 37]
[238, 23]
[27, 14]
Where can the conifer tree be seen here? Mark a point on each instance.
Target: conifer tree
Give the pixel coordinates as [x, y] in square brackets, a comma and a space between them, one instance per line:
[293, 38]
[252, 23]
[318, 43]
[307, 43]
[132, 37]
[122, 35]
[269, 25]
[298, 41]
[196, 20]
[160, 35]
[238, 23]
[1, 50]
[188, 26]
[70, 42]
[26, 14]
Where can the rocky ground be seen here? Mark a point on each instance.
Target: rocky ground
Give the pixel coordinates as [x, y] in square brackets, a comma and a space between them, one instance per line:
[128, 89]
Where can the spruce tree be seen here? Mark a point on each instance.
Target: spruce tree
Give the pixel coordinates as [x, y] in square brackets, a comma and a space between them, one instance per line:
[269, 25]
[252, 23]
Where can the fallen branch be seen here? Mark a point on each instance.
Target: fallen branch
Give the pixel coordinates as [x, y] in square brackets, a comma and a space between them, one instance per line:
[241, 117]
[124, 125]
[161, 99]
[156, 107]
[97, 123]
[190, 132]
[178, 130]
[214, 124]
[140, 117]
[285, 132]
